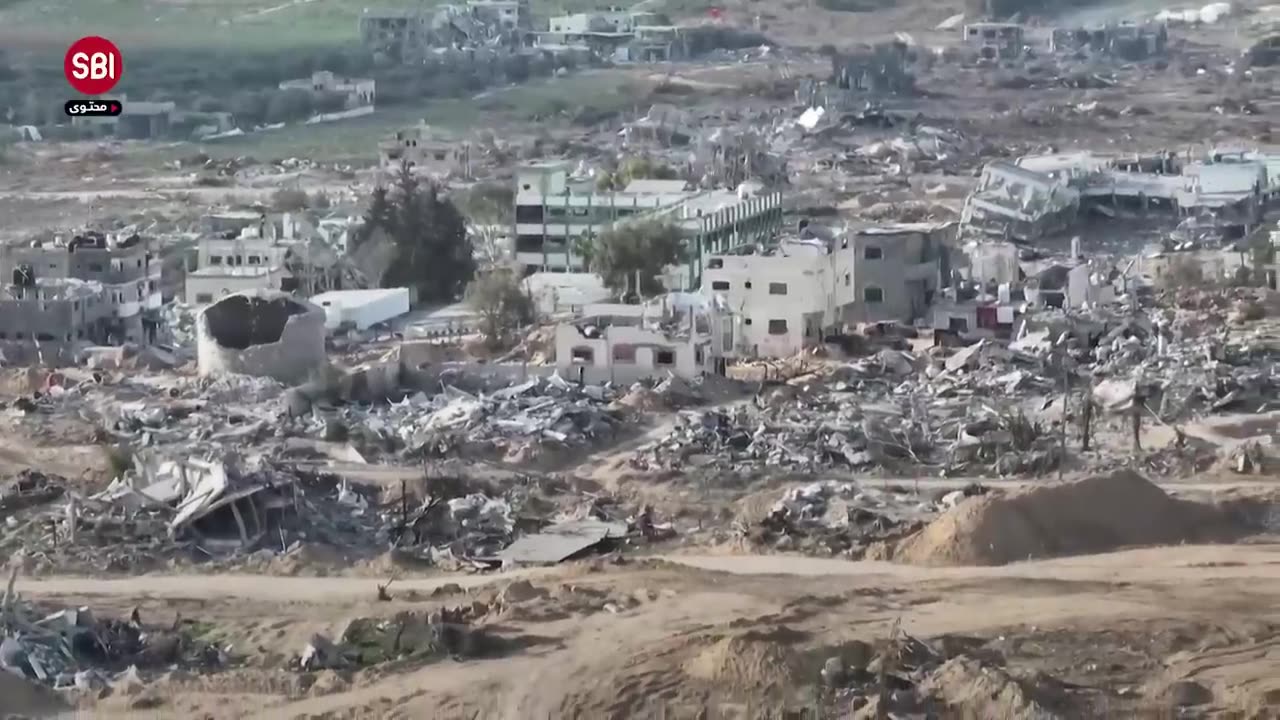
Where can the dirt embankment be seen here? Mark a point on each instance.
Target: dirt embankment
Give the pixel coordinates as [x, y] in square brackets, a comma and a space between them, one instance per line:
[1093, 515]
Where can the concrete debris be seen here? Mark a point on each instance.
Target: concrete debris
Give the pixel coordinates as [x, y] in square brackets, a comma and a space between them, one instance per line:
[516, 421]
[842, 518]
[75, 648]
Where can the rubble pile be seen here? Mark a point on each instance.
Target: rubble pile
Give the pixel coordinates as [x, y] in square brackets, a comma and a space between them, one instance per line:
[74, 648]
[844, 518]
[952, 675]
[518, 420]
[875, 412]
[443, 633]
[194, 509]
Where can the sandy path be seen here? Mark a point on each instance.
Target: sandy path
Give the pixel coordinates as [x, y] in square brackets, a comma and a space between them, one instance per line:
[1171, 564]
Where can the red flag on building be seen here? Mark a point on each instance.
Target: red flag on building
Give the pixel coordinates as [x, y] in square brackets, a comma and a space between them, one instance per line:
[714, 13]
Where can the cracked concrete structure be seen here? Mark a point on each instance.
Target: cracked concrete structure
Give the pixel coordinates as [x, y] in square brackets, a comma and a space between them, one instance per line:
[262, 333]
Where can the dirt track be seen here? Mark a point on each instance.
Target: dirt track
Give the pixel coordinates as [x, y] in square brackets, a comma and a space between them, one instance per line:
[571, 658]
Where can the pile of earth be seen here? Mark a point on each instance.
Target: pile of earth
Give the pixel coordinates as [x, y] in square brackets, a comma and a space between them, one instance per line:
[1092, 515]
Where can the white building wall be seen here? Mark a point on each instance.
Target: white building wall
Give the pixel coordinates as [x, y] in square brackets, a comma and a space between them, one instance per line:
[203, 289]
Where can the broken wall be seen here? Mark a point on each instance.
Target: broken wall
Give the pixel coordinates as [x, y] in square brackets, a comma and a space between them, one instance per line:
[263, 334]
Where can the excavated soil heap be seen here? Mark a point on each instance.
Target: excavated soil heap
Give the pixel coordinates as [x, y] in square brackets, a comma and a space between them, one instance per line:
[1093, 515]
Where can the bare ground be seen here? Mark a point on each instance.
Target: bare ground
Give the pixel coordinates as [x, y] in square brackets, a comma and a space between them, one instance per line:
[694, 631]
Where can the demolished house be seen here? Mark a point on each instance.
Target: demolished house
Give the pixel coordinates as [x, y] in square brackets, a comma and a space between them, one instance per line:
[1013, 203]
[1127, 41]
[879, 68]
[262, 334]
[679, 334]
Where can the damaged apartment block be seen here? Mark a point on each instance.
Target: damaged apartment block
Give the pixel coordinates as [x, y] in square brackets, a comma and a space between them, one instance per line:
[1041, 195]
[93, 289]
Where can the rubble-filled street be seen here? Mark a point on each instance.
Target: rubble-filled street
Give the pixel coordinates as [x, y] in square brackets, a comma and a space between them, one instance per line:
[884, 359]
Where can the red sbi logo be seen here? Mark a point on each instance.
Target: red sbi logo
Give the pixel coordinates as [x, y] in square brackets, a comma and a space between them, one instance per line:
[93, 65]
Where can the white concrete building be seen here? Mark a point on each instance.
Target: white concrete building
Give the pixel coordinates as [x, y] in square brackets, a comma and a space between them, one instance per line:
[784, 302]
[681, 334]
[557, 210]
[208, 285]
[360, 92]
[361, 309]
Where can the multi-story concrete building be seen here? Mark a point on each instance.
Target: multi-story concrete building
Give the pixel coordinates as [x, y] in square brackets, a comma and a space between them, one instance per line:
[556, 212]
[621, 35]
[787, 300]
[89, 289]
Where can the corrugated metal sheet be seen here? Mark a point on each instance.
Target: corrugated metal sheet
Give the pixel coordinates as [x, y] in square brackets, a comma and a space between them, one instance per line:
[560, 542]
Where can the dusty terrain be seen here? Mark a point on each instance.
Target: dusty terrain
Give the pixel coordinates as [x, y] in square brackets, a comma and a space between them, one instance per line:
[687, 632]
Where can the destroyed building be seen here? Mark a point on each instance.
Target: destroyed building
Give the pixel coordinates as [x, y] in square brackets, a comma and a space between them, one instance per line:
[411, 35]
[681, 334]
[995, 41]
[1128, 41]
[427, 152]
[1012, 202]
[91, 289]
[359, 92]
[1227, 191]
[289, 252]
[262, 334]
[880, 68]
[788, 298]
[556, 208]
[621, 36]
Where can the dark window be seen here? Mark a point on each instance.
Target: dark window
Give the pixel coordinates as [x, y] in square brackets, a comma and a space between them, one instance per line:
[777, 327]
[578, 212]
[873, 295]
[747, 321]
[625, 354]
[254, 260]
[777, 288]
[715, 263]
[846, 279]
[583, 355]
[4, 336]
[720, 285]
[664, 357]
[18, 336]
[958, 325]
[529, 243]
[872, 252]
[556, 212]
[95, 267]
[624, 212]
[215, 259]
[747, 284]
[204, 298]
[44, 337]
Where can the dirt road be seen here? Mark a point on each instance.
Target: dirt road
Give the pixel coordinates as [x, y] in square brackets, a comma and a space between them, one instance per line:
[569, 655]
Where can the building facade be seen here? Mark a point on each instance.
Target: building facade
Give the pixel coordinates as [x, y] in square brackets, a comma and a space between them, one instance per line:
[556, 214]
[789, 300]
[91, 289]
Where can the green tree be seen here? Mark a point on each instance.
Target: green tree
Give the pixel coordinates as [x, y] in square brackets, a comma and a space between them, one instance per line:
[503, 306]
[433, 253]
[629, 249]
[490, 208]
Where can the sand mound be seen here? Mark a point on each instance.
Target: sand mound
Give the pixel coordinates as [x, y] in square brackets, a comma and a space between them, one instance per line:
[21, 697]
[968, 686]
[1093, 515]
[747, 662]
